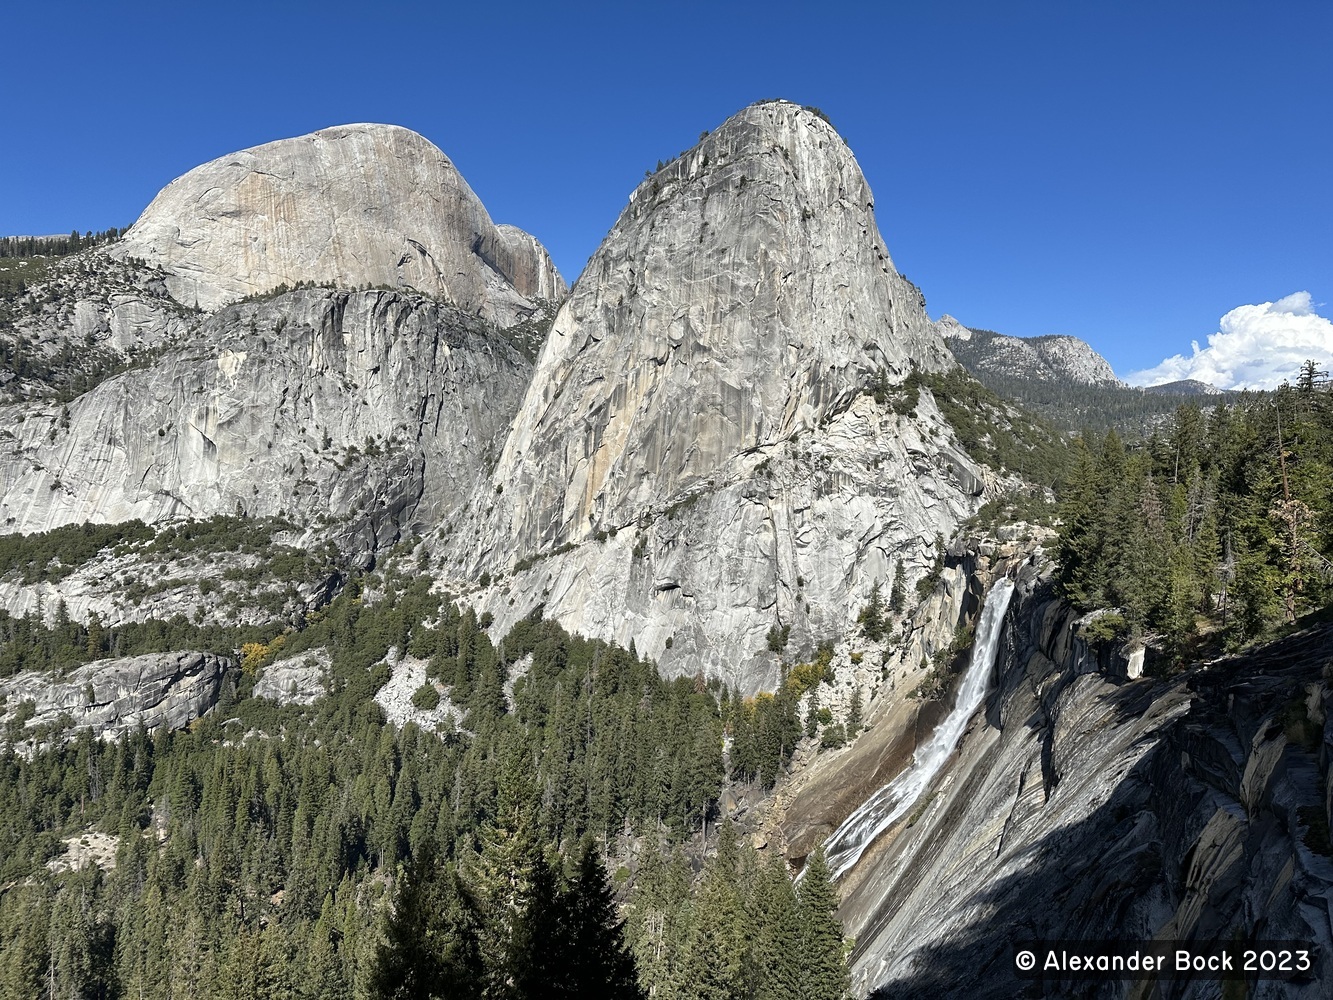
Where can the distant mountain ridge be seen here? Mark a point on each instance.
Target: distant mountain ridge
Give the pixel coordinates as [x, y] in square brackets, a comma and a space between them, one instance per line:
[1185, 387]
[1065, 381]
[1051, 358]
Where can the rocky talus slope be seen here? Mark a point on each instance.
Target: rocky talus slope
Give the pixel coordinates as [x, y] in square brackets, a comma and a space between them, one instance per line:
[351, 205]
[1083, 805]
[698, 458]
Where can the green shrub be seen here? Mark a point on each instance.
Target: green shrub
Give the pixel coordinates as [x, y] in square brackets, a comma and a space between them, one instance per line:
[426, 697]
[834, 737]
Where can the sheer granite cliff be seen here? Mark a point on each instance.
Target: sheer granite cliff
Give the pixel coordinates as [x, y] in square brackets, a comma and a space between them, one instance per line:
[352, 205]
[377, 410]
[699, 457]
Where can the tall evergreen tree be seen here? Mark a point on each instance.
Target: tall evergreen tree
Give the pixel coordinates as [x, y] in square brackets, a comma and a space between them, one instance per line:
[777, 949]
[823, 973]
[431, 936]
[715, 954]
[600, 961]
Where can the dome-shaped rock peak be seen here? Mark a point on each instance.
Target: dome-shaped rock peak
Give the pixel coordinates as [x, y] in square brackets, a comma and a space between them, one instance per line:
[350, 205]
[700, 457]
[744, 294]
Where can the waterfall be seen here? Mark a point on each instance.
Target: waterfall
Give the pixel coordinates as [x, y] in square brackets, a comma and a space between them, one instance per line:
[890, 803]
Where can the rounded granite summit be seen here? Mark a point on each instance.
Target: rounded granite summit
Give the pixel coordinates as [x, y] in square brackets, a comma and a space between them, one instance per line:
[351, 205]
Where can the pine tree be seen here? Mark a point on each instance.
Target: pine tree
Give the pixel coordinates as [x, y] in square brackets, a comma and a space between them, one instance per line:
[823, 962]
[431, 940]
[775, 955]
[714, 962]
[322, 972]
[600, 960]
[501, 877]
[659, 920]
[1080, 542]
[96, 636]
[538, 960]
[871, 616]
[24, 959]
[898, 592]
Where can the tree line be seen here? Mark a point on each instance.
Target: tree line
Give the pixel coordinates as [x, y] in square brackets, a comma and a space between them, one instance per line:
[56, 246]
[1222, 522]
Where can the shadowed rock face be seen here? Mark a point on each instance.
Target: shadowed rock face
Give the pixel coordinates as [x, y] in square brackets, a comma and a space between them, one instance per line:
[702, 394]
[351, 205]
[1086, 806]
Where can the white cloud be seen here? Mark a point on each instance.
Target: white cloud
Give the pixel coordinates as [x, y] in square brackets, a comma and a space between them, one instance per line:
[1256, 347]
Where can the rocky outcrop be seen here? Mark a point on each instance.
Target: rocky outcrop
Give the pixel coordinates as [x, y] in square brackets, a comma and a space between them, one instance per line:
[375, 410]
[1055, 358]
[87, 318]
[1083, 805]
[353, 205]
[1184, 387]
[111, 697]
[299, 681]
[698, 457]
[396, 697]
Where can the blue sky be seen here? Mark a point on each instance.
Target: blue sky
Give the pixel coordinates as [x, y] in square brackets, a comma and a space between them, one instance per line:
[1125, 172]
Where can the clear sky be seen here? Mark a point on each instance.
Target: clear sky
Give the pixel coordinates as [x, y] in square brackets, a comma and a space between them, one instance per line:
[1125, 172]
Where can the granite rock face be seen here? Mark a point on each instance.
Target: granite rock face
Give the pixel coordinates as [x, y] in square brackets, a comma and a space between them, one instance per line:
[1083, 805]
[300, 680]
[84, 320]
[375, 409]
[1054, 358]
[699, 457]
[354, 413]
[351, 205]
[112, 697]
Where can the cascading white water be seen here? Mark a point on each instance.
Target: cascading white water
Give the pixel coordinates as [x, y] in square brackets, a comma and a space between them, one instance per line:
[891, 803]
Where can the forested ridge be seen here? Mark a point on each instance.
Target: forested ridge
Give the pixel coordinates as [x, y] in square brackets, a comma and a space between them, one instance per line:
[23, 259]
[320, 851]
[1210, 530]
[1064, 402]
